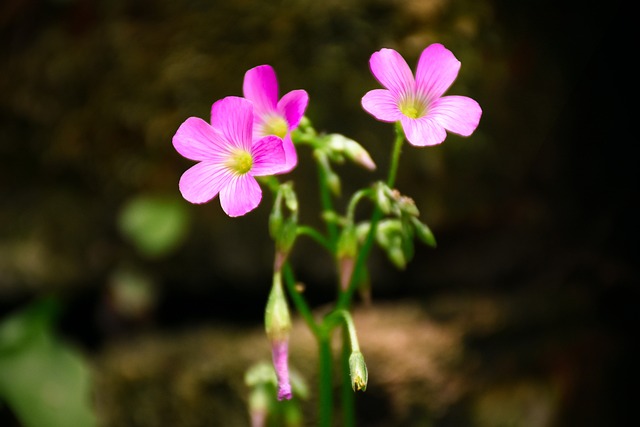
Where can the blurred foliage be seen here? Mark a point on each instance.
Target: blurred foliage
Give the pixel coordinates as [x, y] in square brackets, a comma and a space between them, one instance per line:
[45, 382]
[155, 225]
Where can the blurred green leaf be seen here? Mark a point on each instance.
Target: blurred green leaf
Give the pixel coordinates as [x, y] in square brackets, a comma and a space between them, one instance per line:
[45, 382]
[155, 225]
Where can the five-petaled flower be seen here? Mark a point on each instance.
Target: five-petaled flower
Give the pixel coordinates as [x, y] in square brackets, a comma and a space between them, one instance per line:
[418, 103]
[273, 116]
[229, 157]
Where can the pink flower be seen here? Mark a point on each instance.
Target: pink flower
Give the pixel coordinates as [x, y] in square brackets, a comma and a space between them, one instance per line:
[273, 116]
[419, 104]
[228, 157]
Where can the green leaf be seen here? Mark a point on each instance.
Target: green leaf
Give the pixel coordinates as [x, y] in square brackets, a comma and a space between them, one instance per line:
[45, 382]
[155, 225]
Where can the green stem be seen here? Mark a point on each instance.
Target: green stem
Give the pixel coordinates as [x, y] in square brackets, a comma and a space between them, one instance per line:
[344, 299]
[315, 235]
[298, 300]
[395, 156]
[347, 394]
[327, 204]
[351, 208]
[325, 398]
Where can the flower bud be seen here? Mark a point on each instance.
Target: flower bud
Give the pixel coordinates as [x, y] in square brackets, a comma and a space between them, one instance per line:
[277, 319]
[358, 371]
[345, 253]
[341, 145]
[278, 326]
[423, 232]
[259, 406]
[280, 354]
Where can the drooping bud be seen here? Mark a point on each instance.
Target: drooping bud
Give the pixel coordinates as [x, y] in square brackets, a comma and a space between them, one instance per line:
[423, 232]
[259, 406]
[280, 354]
[340, 145]
[278, 326]
[390, 238]
[358, 371]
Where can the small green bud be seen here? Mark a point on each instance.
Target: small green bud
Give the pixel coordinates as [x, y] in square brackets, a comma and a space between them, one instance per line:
[358, 371]
[277, 319]
[408, 206]
[390, 236]
[290, 198]
[423, 232]
[340, 145]
[381, 199]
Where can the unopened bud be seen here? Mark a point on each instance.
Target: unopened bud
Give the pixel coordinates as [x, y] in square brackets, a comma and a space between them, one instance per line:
[277, 318]
[341, 145]
[358, 371]
[278, 326]
[423, 232]
[345, 252]
[280, 354]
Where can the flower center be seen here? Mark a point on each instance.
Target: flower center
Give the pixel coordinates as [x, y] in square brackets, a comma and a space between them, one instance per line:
[240, 162]
[412, 107]
[275, 125]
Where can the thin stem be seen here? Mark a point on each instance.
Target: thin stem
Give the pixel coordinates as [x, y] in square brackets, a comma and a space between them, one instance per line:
[325, 398]
[327, 203]
[347, 394]
[351, 208]
[344, 299]
[315, 235]
[298, 299]
[395, 156]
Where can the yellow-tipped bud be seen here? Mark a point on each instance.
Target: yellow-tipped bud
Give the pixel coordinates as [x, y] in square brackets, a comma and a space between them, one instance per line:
[358, 371]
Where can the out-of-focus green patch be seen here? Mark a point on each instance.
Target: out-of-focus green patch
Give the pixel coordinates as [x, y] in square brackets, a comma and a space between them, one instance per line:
[155, 225]
[44, 381]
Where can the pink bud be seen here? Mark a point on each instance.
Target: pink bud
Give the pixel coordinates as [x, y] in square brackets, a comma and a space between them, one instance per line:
[280, 352]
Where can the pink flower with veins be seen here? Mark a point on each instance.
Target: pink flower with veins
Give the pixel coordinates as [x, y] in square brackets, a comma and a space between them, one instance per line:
[229, 158]
[273, 116]
[418, 103]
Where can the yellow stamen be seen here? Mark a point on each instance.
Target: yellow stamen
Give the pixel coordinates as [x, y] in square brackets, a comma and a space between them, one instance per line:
[240, 162]
[412, 107]
[275, 125]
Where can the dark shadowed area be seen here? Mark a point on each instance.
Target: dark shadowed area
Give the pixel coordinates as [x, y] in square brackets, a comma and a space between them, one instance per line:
[524, 315]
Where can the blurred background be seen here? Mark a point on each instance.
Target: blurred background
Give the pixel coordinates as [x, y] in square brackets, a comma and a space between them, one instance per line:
[123, 305]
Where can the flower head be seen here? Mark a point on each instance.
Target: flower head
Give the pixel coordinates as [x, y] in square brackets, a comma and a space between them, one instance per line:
[229, 158]
[418, 103]
[274, 116]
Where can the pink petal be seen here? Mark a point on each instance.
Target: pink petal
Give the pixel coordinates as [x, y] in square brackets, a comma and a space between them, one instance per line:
[457, 114]
[293, 105]
[203, 181]
[260, 86]
[423, 131]
[269, 156]
[241, 195]
[195, 139]
[392, 71]
[382, 105]
[280, 354]
[290, 154]
[437, 70]
[233, 117]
